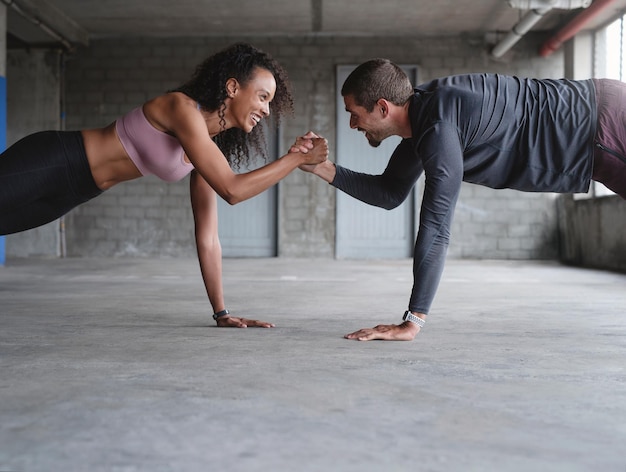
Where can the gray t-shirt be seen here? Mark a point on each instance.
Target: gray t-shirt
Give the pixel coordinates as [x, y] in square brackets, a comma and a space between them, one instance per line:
[493, 130]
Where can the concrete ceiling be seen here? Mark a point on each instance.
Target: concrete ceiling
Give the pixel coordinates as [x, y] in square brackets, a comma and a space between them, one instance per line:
[79, 21]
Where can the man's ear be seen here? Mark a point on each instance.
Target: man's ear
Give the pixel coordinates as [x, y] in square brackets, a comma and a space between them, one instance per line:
[383, 107]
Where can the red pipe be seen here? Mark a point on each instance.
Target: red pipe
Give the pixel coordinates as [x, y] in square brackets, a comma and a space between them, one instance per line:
[573, 27]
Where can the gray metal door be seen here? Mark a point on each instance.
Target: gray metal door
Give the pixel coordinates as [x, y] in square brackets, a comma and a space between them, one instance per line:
[365, 231]
[248, 229]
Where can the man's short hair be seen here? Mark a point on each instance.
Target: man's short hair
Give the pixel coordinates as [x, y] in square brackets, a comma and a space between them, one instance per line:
[376, 79]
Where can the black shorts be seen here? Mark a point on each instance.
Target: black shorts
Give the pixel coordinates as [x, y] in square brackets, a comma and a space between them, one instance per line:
[42, 177]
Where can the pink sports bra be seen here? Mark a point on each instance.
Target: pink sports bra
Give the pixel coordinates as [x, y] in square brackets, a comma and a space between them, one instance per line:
[152, 151]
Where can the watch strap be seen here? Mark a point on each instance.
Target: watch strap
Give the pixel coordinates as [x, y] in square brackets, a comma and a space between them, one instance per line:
[408, 316]
[219, 314]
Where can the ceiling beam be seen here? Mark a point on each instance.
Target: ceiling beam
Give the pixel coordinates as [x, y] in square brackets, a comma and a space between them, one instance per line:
[51, 20]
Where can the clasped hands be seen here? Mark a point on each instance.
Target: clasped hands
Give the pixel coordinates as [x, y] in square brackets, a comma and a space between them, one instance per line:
[314, 149]
[308, 144]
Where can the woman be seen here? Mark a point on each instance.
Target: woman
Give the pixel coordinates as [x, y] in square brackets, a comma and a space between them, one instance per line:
[202, 128]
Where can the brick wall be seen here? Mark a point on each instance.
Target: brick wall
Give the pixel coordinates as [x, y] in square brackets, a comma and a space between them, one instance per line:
[148, 217]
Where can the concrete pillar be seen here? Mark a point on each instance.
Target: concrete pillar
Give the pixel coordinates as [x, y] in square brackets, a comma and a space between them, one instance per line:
[3, 97]
[579, 56]
[33, 104]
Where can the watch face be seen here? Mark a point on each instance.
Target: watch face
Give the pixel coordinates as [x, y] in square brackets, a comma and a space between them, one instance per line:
[414, 319]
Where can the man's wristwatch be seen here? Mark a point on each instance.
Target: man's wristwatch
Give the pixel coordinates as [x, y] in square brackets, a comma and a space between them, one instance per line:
[220, 314]
[408, 316]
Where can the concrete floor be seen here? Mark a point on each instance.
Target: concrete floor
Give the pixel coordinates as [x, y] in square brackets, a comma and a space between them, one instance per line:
[114, 365]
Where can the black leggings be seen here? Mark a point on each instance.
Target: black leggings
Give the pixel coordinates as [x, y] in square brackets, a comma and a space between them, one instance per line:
[42, 177]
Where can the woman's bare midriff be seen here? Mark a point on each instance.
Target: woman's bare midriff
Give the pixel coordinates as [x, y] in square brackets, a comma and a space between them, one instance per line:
[107, 158]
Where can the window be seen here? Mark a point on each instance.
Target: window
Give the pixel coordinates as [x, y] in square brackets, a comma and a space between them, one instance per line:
[615, 66]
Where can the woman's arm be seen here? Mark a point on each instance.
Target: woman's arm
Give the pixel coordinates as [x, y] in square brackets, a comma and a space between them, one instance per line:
[204, 206]
[189, 127]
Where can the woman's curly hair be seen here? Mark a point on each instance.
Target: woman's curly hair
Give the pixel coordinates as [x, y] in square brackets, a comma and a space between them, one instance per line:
[207, 86]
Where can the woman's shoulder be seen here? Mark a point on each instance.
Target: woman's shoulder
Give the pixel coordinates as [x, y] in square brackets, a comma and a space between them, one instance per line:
[166, 110]
[171, 101]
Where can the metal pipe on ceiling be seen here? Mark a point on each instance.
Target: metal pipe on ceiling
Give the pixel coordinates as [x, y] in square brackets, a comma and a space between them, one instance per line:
[562, 4]
[573, 27]
[529, 20]
[538, 9]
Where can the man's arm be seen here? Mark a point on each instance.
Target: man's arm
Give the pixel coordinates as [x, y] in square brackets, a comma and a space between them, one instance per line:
[442, 158]
[387, 190]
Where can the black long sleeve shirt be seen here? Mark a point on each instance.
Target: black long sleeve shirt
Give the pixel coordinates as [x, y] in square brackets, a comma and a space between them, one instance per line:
[498, 131]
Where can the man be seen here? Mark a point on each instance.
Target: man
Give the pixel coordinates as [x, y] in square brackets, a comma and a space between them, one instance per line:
[498, 131]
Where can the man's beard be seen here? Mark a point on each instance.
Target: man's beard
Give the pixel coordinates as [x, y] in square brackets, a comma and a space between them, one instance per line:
[381, 135]
[374, 142]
